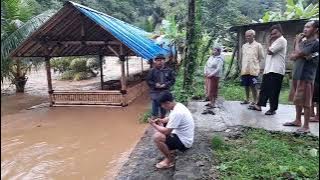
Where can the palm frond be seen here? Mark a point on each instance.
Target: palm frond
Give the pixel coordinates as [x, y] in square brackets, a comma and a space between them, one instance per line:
[13, 40]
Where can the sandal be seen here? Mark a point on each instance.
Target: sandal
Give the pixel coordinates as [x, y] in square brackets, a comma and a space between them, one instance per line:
[254, 108]
[269, 113]
[244, 102]
[292, 124]
[162, 165]
[208, 112]
[208, 104]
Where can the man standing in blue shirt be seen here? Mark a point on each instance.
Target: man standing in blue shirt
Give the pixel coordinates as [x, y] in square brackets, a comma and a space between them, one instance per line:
[159, 79]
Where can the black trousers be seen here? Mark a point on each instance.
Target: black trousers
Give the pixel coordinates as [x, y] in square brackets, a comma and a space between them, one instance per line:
[270, 90]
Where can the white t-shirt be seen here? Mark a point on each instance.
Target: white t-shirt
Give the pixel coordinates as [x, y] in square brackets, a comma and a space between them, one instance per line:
[276, 63]
[181, 121]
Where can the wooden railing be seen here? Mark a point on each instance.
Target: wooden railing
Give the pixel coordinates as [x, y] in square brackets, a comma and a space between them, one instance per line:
[99, 97]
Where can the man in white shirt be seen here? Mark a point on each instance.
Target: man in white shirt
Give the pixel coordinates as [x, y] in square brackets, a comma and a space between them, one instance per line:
[274, 71]
[177, 134]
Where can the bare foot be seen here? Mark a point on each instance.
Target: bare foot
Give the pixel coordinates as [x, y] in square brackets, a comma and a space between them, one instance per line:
[164, 164]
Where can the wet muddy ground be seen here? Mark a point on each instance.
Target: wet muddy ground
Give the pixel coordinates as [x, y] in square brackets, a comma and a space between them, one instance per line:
[67, 142]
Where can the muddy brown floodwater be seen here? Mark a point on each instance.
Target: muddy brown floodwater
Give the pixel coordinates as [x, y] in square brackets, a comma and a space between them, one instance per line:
[68, 142]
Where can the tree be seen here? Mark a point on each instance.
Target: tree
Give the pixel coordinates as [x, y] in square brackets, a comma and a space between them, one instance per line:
[191, 49]
[16, 25]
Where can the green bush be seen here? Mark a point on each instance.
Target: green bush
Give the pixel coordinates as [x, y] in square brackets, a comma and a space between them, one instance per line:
[80, 76]
[79, 65]
[61, 64]
[68, 75]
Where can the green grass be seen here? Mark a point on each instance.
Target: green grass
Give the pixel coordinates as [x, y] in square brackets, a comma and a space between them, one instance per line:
[232, 91]
[260, 154]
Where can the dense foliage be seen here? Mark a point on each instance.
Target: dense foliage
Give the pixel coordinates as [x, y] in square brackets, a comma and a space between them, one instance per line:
[74, 68]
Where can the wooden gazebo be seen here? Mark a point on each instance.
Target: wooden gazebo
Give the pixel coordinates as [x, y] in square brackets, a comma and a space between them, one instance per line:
[76, 30]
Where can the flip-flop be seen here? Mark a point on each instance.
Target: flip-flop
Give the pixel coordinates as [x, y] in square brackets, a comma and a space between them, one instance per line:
[208, 104]
[208, 112]
[254, 108]
[164, 166]
[302, 131]
[291, 124]
[269, 113]
[313, 119]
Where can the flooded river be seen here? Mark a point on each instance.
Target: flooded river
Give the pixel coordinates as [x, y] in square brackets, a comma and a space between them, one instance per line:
[68, 142]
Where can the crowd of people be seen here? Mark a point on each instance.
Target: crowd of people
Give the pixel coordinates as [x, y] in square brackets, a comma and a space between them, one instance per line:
[176, 131]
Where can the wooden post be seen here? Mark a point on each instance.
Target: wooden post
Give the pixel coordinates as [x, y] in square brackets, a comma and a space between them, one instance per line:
[101, 70]
[127, 64]
[141, 66]
[48, 69]
[123, 75]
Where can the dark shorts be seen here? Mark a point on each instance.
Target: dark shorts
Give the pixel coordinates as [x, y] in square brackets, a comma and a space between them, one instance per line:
[173, 142]
[249, 80]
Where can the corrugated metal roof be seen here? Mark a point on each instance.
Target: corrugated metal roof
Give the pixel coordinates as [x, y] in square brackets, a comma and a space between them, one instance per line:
[133, 37]
[236, 28]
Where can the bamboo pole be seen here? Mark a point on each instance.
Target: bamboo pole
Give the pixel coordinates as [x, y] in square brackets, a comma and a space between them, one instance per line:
[49, 79]
[101, 70]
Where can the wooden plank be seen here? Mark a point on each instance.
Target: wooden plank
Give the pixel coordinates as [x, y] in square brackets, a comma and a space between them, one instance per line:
[114, 51]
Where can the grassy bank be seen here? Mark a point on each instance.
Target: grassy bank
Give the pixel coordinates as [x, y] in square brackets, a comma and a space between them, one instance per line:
[259, 154]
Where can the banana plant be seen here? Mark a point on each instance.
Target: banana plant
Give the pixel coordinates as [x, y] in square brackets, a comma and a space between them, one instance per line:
[293, 11]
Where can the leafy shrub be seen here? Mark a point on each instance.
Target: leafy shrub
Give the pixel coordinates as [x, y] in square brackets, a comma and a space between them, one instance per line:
[61, 64]
[79, 65]
[68, 75]
[80, 76]
[93, 63]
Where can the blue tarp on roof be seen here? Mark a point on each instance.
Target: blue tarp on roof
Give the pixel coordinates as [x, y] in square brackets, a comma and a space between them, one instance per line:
[133, 37]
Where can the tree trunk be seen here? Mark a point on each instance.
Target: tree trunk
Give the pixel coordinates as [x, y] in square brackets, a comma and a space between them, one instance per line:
[20, 83]
[191, 49]
[20, 79]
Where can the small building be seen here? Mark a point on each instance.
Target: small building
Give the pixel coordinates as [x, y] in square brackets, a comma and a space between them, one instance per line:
[290, 29]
